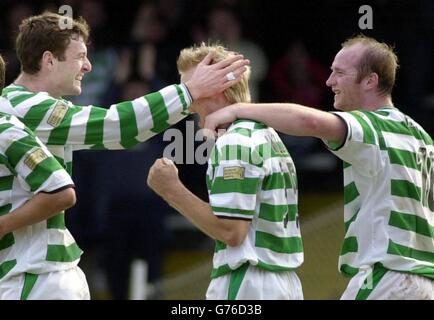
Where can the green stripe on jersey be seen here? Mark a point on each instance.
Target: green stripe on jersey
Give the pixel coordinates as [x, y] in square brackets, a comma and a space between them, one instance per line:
[57, 222]
[219, 245]
[368, 134]
[278, 244]
[7, 266]
[59, 134]
[29, 282]
[7, 241]
[350, 192]
[277, 213]
[411, 222]
[399, 250]
[128, 124]
[403, 158]
[371, 281]
[159, 112]
[19, 148]
[279, 180]
[349, 222]
[349, 245]
[42, 172]
[21, 98]
[5, 126]
[181, 97]
[95, 126]
[404, 188]
[34, 116]
[62, 253]
[246, 186]
[6, 183]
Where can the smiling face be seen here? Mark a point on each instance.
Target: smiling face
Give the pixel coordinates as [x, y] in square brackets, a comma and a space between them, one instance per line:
[67, 74]
[343, 79]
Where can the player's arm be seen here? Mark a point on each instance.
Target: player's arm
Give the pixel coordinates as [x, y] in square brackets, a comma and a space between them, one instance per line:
[27, 158]
[289, 118]
[163, 179]
[41, 207]
[124, 124]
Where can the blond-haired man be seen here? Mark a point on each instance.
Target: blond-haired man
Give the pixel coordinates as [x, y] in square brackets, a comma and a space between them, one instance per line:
[252, 211]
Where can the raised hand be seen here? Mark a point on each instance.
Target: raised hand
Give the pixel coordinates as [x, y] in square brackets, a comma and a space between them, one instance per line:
[210, 79]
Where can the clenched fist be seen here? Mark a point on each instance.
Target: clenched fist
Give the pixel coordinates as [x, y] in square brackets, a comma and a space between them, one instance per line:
[163, 177]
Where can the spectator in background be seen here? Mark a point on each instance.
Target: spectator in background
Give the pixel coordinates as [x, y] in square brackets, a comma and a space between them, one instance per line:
[225, 26]
[297, 76]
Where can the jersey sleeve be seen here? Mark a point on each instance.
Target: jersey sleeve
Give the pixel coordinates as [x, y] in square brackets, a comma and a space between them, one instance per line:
[122, 125]
[361, 147]
[31, 161]
[234, 178]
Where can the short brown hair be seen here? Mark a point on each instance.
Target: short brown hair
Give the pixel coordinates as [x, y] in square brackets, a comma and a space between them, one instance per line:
[41, 33]
[190, 57]
[378, 57]
[2, 73]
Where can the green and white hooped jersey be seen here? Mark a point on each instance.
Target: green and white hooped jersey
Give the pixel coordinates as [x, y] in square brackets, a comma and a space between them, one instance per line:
[65, 127]
[388, 193]
[27, 168]
[251, 176]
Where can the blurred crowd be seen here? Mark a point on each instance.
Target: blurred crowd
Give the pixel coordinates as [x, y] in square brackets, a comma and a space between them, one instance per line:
[133, 49]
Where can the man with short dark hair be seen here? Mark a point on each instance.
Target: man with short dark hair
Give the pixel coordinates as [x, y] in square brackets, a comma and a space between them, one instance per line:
[53, 63]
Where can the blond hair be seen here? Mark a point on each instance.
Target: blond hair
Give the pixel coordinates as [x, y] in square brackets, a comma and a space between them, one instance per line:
[191, 57]
[379, 58]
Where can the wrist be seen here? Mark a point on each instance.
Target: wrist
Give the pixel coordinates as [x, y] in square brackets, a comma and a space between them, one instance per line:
[174, 194]
[192, 90]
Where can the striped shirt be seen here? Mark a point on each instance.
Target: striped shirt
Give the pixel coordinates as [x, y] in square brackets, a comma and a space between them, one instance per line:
[388, 193]
[65, 127]
[251, 176]
[27, 168]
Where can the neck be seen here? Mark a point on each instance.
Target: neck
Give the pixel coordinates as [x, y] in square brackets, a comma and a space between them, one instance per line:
[375, 103]
[35, 83]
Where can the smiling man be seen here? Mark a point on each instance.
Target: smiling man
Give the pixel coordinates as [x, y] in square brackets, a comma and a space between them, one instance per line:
[53, 63]
[388, 158]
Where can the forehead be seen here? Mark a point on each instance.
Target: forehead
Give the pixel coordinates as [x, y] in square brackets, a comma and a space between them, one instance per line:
[348, 57]
[76, 45]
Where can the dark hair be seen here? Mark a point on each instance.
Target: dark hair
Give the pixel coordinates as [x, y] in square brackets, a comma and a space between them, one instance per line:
[41, 33]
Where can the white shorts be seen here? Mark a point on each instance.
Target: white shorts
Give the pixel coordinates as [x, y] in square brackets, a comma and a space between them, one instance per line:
[68, 284]
[251, 283]
[382, 284]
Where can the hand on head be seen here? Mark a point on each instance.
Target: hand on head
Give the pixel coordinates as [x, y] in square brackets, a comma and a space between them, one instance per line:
[210, 79]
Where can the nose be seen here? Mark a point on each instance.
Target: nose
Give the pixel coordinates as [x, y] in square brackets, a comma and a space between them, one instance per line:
[87, 66]
[331, 80]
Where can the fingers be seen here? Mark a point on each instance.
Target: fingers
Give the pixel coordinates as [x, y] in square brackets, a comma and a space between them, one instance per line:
[208, 58]
[228, 61]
